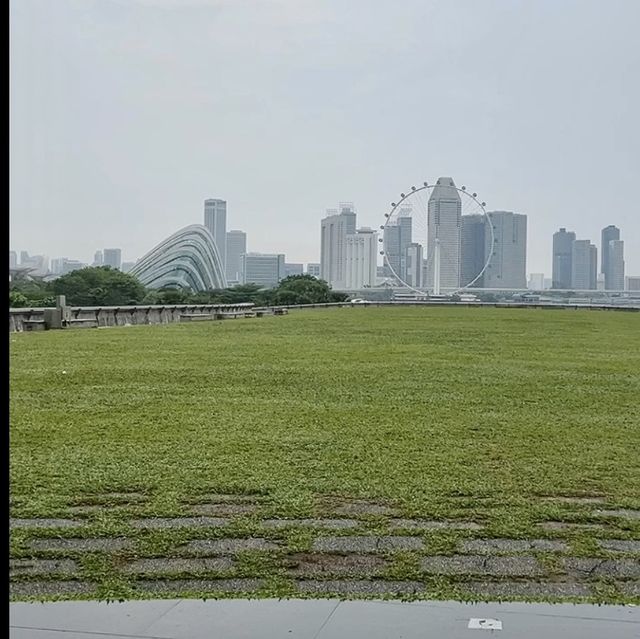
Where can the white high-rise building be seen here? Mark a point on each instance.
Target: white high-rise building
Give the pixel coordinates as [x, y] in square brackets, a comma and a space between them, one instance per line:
[215, 219]
[444, 213]
[507, 266]
[333, 244]
[361, 259]
[97, 259]
[236, 248]
[112, 257]
[614, 276]
[13, 259]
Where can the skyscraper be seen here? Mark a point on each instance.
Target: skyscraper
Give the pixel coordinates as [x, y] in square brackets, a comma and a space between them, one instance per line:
[215, 219]
[236, 248]
[97, 258]
[614, 275]
[507, 266]
[444, 213]
[562, 251]
[472, 250]
[13, 259]
[333, 244]
[584, 265]
[112, 257]
[361, 258]
[609, 233]
[397, 238]
[414, 265]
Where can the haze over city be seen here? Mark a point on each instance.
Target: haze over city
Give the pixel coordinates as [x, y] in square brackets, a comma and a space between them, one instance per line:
[125, 116]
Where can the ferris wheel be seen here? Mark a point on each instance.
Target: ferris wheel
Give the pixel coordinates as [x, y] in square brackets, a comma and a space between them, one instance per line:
[437, 237]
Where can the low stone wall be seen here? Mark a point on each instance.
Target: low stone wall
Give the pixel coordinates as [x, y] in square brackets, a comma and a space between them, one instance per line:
[89, 316]
[84, 317]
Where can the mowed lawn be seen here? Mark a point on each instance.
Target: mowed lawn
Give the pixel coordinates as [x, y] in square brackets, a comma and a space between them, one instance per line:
[440, 411]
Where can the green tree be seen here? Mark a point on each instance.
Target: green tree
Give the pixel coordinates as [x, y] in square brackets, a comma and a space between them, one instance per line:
[17, 300]
[306, 289]
[99, 286]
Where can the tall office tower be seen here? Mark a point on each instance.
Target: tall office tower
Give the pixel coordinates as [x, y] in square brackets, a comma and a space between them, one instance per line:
[444, 224]
[112, 257]
[263, 269]
[313, 268]
[609, 233]
[584, 265]
[98, 260]
[361, 258]
[24, 257]
[291, 268]
[333, 244]
[508, 264]
[13, 259]
[414, 264]
[472, 250]
[236, 248]
[127, 266]
[614, 275]
[397, 237]
[215, 219]
[561, 273]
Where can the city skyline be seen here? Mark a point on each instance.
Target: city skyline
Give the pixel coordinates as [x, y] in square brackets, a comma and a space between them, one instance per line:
[509, 269]
[116, 138]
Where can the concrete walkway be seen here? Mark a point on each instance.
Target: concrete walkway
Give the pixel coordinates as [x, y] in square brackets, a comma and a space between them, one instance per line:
[318, 619]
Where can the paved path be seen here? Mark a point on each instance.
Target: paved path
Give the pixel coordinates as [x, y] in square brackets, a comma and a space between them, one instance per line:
[325, 619]
[223, 545]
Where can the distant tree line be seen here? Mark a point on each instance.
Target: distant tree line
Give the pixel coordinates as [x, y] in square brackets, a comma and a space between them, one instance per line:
[104, 286]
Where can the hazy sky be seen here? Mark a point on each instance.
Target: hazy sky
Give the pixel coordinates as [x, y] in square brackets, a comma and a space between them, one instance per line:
[127, 114]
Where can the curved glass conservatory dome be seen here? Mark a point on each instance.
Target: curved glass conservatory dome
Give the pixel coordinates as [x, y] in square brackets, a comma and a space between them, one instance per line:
[187, 259]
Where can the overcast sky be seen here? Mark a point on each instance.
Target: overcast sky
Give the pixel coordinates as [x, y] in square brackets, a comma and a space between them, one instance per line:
[127, 114]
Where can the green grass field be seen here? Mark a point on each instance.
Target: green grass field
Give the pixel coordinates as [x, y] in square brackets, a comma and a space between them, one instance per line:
[444, 413]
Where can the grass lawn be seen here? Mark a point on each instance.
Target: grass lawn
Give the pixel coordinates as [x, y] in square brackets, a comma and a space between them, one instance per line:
[477, 414]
